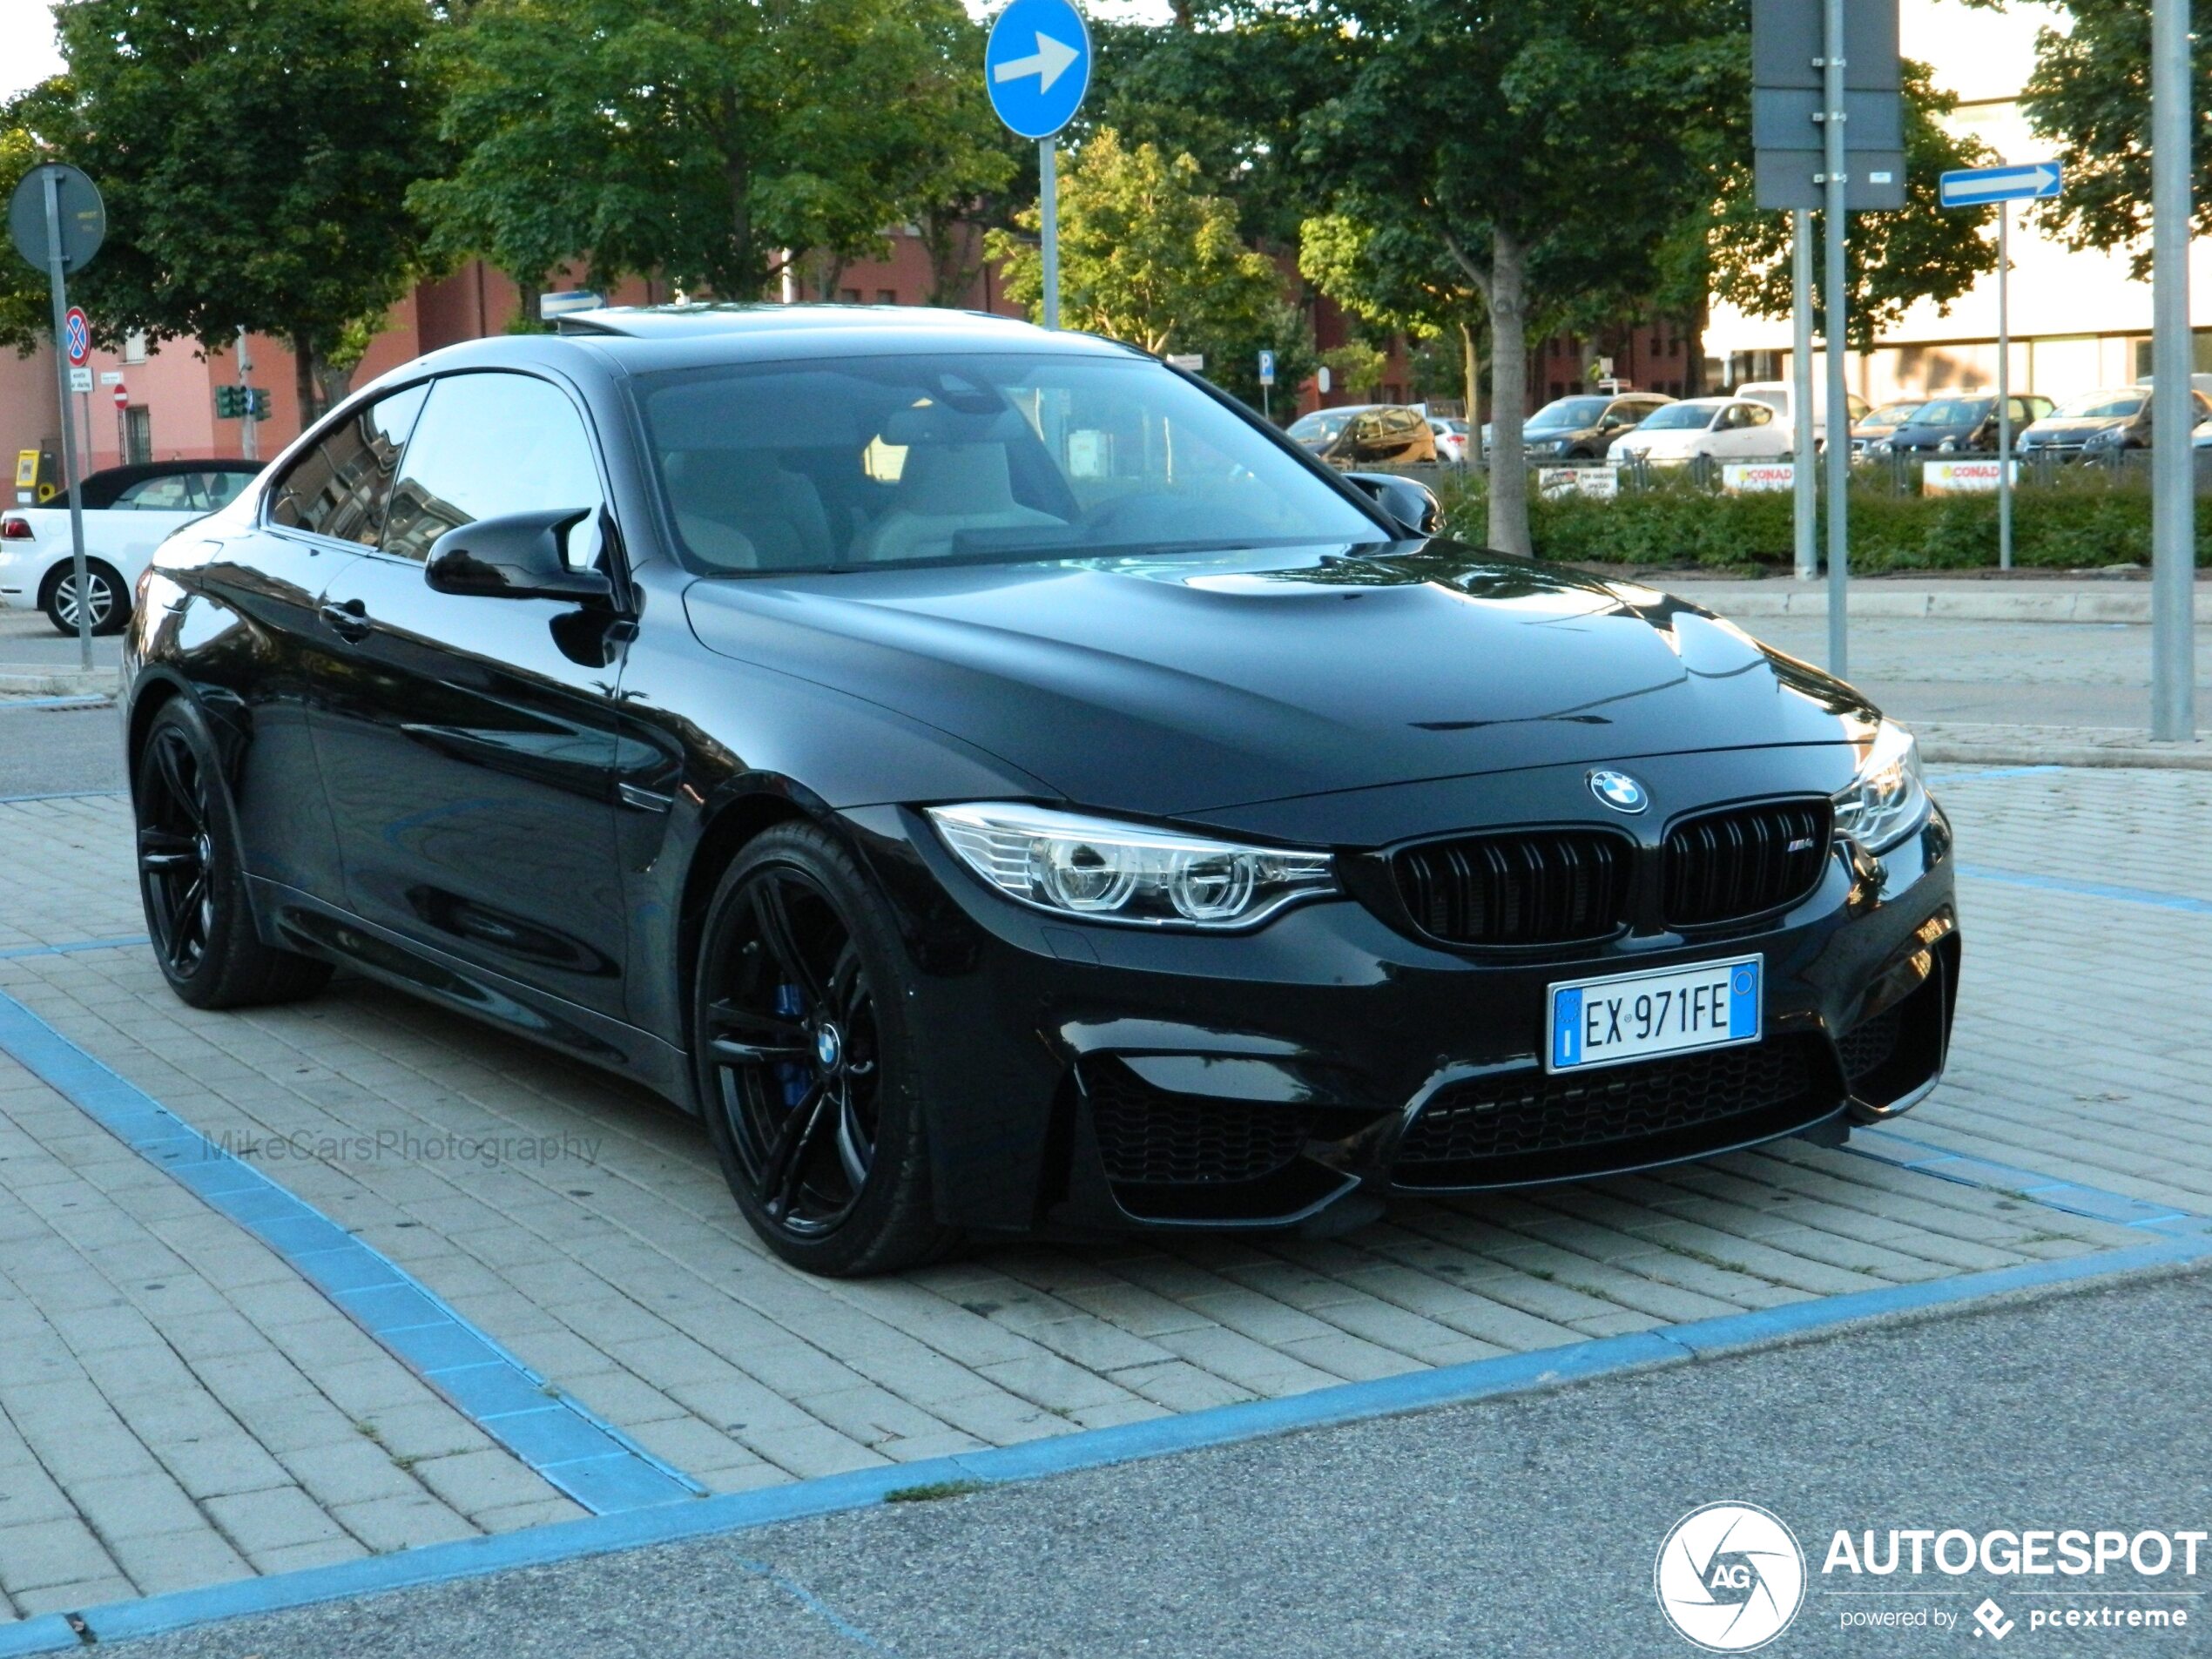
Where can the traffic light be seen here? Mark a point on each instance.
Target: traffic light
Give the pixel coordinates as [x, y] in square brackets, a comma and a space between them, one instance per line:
[230, 402]
[257, 402]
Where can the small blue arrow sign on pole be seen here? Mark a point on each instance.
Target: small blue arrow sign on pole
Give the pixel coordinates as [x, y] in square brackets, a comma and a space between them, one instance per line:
[1979, 186]
[1037, 66]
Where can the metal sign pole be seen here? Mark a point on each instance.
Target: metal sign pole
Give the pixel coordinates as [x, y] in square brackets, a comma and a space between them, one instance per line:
[249, 435]
[1049, 215]
[58, 281]
[1806, 507]
[2172, 714]
[2004, 387]
[1833, 296]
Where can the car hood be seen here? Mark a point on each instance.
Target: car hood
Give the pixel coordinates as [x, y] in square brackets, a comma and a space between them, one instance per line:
[1171, 687]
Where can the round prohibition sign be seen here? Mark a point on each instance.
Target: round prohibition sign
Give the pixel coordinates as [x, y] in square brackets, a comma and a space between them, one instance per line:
[77, 337]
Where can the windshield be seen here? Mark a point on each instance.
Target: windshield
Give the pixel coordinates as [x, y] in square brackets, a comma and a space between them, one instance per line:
[2100, 406]
[1569, 412]
[1894, 414]
[1320, 426]
[1953, 411]
[895, 460]
[1679, 416]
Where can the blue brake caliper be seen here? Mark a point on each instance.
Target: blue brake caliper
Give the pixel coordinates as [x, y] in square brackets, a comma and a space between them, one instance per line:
[794, 1074]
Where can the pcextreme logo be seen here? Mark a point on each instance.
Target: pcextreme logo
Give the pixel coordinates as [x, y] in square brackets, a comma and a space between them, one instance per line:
[1729, 1577]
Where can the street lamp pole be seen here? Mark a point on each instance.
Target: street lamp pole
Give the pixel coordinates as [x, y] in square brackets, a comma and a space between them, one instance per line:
[1835, 213]
[2173, 714]
[1806, 504]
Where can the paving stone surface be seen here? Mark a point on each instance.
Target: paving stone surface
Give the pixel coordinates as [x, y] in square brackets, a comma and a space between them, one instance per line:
[177, 1406]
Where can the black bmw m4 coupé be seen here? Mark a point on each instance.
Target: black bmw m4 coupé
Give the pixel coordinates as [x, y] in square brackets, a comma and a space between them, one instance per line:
[1004, 787]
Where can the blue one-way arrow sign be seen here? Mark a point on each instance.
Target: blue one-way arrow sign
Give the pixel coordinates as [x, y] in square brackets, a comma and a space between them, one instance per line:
[1979, 186]
[1036, 66]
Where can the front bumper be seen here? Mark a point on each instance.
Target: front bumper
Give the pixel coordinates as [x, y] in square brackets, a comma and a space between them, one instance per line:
[1089, 1078]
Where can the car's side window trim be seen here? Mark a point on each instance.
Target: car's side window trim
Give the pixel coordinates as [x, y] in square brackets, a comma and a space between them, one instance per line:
[313, 440]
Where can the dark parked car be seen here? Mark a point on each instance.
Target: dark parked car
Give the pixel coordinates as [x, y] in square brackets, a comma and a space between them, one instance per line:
[2101, 425]
[1585, 429]
[1367, 435]
[1006, 787]
[1959, 426]
[1876, 424]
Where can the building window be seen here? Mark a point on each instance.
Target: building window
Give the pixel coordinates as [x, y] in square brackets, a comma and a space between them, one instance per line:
[138, 435]
[134, 347]
[848, 296]
[886, 296]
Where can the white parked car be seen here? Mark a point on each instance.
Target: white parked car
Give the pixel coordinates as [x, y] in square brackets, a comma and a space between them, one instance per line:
[1451, 435]
[1727, 429]
[1781, 396]
[129, 511]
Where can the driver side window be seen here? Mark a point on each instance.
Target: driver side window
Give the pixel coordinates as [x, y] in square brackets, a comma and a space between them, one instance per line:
[491, 443]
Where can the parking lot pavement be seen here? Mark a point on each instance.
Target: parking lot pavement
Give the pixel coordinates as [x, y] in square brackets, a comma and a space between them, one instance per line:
[583, 1226]
[1523, 1526]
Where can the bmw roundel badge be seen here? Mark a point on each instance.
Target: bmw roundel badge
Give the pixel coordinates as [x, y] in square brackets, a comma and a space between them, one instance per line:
[1619, 790]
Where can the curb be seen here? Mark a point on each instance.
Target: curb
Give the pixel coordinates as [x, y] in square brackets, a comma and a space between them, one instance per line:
[2129, 603]
[2034, 745]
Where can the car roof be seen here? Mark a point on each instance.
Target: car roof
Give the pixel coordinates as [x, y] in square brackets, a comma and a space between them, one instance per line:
[647, 337]
[136, 471]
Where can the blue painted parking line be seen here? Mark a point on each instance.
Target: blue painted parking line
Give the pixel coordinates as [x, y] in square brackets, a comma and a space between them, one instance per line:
[2180, 901]
[575, 1450]
[1086, 1449]
[64, 794]
[14, 952]
[94, 700]
[2096, 1203]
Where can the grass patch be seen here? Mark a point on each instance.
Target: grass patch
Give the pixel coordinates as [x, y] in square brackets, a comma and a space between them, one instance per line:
[934, 1491]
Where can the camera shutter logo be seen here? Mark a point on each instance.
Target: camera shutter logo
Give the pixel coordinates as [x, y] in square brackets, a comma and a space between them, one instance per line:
[1729, 1577]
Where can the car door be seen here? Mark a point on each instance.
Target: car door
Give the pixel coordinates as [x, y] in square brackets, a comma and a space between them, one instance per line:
[1764, 435]
[469, 752]
[247, 625]
[1724, 438]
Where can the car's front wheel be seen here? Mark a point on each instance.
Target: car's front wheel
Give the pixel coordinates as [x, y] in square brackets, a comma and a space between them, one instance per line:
[192, 882]
[105, 598]
[803, 1056]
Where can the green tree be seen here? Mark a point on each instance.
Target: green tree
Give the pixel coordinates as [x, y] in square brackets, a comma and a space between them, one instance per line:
[25, 315]
[2090, 95]
[255, 161]
[1542, 148]
[703, 140]
[1400, 278]
[1146, 254]
[1891, 260]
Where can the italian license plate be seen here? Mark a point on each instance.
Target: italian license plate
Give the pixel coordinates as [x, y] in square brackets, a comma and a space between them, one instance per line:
[1673, 1010]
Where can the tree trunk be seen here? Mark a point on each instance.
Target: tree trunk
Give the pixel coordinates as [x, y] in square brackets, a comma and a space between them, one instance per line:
[303, 380]
[1470, 368]
[1509, 393]
[1693, 346]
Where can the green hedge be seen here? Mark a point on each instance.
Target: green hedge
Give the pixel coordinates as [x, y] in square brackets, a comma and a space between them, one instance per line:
[2081, 520]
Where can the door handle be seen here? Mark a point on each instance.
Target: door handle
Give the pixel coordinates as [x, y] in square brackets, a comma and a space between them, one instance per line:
[348, 618]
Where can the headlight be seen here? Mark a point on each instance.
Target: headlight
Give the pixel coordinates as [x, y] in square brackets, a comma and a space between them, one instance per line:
[1888, 799]
[1104, 870]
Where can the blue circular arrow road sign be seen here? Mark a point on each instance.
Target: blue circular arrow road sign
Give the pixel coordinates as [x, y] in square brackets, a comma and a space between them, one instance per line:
[1037, 66]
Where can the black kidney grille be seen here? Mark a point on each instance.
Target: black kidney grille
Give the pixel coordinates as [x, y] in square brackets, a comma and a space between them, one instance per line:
[1149, 1134]
[1528, 888]
[1867, 1044]
[1725, 865]
[1525, 1112]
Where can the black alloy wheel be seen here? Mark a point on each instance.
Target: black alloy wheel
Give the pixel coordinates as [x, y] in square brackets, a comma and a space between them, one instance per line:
[800, 1061]
[190, 879]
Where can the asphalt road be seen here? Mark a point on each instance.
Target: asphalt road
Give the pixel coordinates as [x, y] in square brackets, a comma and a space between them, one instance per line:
[1526, 1526]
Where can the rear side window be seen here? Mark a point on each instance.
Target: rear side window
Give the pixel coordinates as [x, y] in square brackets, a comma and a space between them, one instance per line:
[490, 444]
[341, 488]
[177, 492]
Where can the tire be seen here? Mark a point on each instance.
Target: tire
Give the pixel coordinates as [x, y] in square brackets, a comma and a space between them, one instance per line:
[111, 598]
[192, 882]
[804, 1058]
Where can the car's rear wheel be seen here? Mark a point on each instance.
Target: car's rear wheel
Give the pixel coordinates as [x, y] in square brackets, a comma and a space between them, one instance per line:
[192, 882]
[104, 596]
[804, 1059]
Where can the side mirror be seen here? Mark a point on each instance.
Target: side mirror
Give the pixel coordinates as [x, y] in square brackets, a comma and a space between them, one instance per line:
[1414, 505]
[519, 555]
